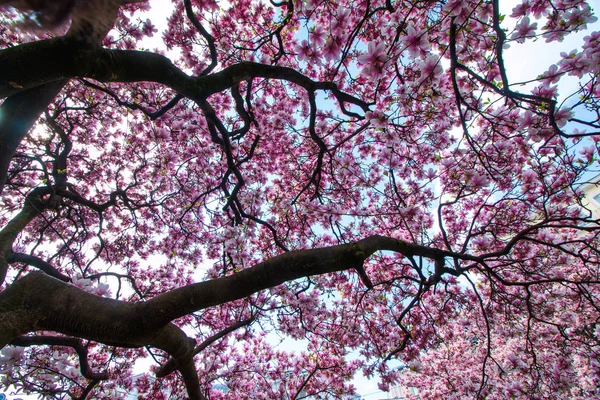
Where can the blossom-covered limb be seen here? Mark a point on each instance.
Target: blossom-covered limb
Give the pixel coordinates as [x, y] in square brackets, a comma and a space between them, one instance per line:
[207, 36]
[72, 311]
[171, 364]
[75, 344]
[64, 57]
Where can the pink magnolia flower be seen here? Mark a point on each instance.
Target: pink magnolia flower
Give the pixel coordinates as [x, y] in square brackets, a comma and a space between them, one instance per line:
[102, 290]
[305, 52]
[481, 242]
[552, 75]
[317, 35]
[521, 10]
[554, 36]
[82, 283]
[430, 173]
[562, 116]
[478, 181]
[10, 354]
[340, 21]
[575, 63]
[374, 59]
[311, 5]
[149, 28]
[415, 41]
[550, 92]
[592, 41]
[588, 152]
[523, 30]
[375, 54]
[377, 118]
[332, 48]
[526, 120]
[431, 66]
[209, 5]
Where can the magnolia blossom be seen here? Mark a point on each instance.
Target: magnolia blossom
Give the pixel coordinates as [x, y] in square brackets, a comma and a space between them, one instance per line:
[374, 55]
[588, 153]
[9, 357]
[11, 354]
[552, 75]
[304, 51]
[415, 41]
[340, 21]
[562, 116]
[332, 48]
[317, 35]
[82, 283]
[527, 120]
[524, 29]
[521, 10]
[373, 60]
[149, 28]
[431, 67]
[377, 118]
[554, 36]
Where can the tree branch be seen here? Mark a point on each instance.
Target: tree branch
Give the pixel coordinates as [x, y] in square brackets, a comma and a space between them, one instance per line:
[75, 344]
[33, 206]
[66, 57]
[41, 302]
[18, 114]
[37, 263]
[171, 364]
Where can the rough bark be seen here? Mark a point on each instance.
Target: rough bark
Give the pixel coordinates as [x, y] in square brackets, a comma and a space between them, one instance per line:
[67, 57]
[41, 302]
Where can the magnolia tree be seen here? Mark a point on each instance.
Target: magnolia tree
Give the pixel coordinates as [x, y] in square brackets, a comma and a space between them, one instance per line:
[361, 179]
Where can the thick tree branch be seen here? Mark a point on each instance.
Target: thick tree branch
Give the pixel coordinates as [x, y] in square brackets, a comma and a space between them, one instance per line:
[31, 88]
[88, 389]
[26, 103]
[32, 208]
[66, 57]
[210, 40]
[40, 302]
[18, 113]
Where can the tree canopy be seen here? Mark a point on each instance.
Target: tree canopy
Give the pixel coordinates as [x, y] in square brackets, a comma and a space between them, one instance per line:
[362, 179]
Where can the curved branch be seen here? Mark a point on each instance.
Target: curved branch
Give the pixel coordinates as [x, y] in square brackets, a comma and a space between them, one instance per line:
[32, 208]
[119, 276]
[37, 263]
[171, 364]
[152, 115]
[65, 57]
[75, 344]
[31, 88]
[207, 36]
[18, 114]
[88, 389]
[40, 302]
